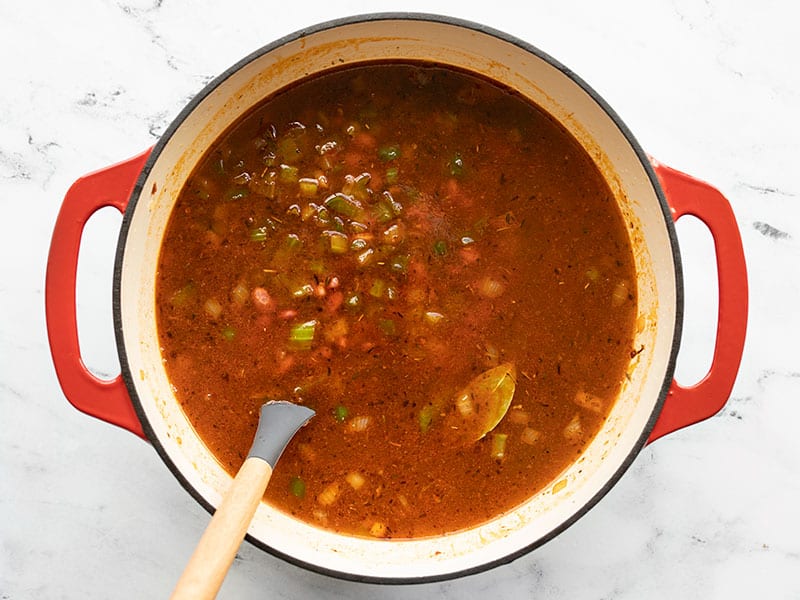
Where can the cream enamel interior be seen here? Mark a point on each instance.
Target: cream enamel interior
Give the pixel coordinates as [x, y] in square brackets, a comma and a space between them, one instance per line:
[556, 93]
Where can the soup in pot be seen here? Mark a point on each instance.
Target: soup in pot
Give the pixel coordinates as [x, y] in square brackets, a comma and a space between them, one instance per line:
[430, 262]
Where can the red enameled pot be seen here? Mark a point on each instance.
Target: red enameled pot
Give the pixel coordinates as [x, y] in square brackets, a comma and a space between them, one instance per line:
[650, 195]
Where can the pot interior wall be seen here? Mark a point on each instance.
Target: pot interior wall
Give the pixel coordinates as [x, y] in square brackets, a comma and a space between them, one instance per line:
[547, 85]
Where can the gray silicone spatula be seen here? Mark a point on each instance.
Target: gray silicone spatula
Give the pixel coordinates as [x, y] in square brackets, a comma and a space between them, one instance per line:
[215, 551]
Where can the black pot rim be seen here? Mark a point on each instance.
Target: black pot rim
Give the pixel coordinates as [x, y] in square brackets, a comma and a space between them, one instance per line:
[397, 16]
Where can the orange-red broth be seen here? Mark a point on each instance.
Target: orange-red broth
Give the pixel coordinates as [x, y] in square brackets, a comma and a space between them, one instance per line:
[365, 243]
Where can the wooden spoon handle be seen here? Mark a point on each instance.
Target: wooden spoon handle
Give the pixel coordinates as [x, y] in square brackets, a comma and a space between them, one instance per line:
[217, 548]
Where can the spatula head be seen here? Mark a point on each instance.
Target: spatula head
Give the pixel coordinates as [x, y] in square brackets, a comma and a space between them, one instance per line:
[278, 422]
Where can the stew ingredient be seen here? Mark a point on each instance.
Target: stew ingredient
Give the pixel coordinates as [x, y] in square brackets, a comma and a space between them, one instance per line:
[426, 259]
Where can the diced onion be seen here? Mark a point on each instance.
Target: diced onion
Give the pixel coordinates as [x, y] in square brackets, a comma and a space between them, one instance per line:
[518, 416]
[490, 288]
[378, 529]
[620, 294]
[464, 405]
[355, 479]
[261, 297]
[239, 294]
[329, 495]
[213, 308]
[529, 436]
[307, 452]
[433, 317]
[574, 430]
[359, 423]
[589, 401]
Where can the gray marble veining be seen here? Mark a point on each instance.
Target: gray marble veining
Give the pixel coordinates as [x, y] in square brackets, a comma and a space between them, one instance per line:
[90, 511]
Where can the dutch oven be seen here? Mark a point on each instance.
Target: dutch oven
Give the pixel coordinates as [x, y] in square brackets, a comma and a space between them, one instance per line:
[651, 197]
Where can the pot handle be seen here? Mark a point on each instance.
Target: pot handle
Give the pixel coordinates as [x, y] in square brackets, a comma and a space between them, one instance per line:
[688, 405]
[107, 400]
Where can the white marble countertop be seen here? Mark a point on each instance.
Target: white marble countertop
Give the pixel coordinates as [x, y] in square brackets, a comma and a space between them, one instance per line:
[711, 88]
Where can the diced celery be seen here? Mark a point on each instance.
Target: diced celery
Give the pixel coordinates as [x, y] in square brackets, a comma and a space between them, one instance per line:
[236, 193]
[302, 335]
[345, 205]
[388, 327]
[358, 244]
[499, 445]
[288, 149]
[378, 288]
[303, 291]
[399, 264]
[365, 257]
[308, 187]
[361, 190]
[426, 416]
[297, 487]
[293, 241]
[387, 153]
[317, 266]
[287, 173]
[353, 301]
[184, 295]
[338, 242]
[382, 211]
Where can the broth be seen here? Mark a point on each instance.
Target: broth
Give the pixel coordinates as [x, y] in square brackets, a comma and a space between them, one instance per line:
[369, 241]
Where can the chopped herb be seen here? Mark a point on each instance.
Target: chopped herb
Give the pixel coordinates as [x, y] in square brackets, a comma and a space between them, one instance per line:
[340, 413]
[426, 416]
[297, 487]
[456, 165]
